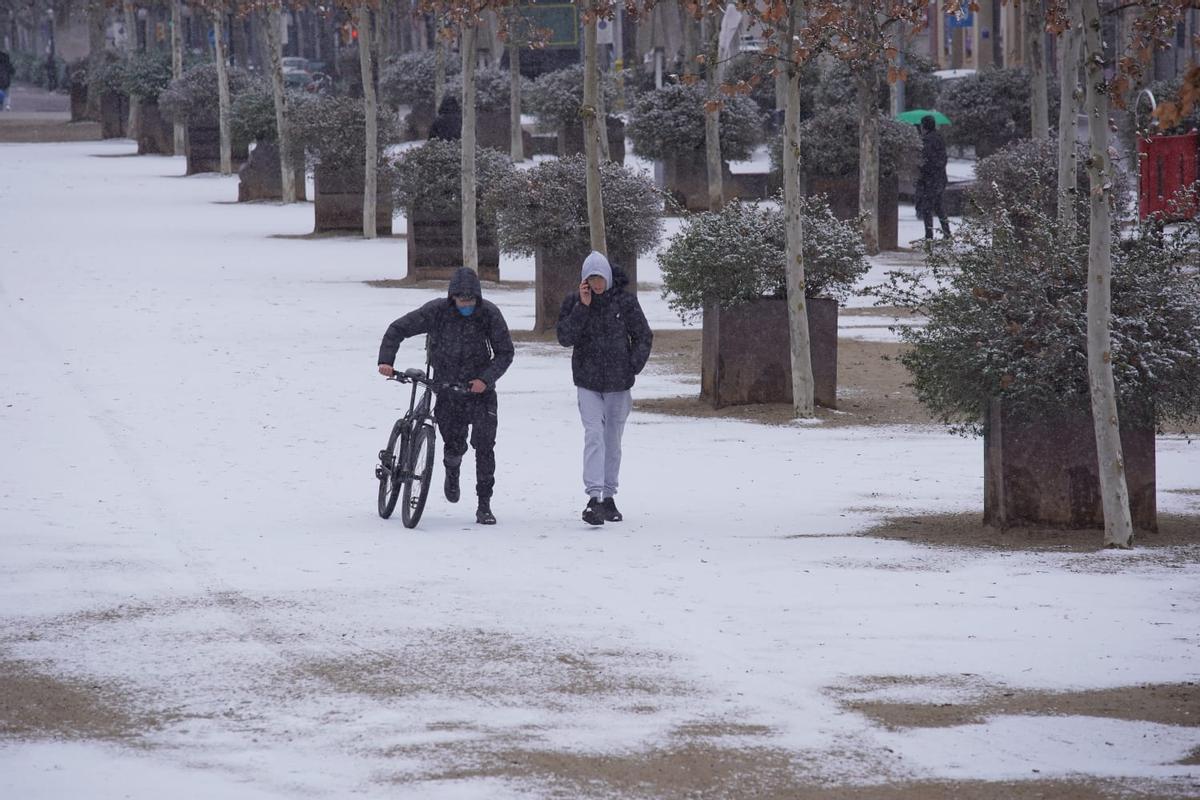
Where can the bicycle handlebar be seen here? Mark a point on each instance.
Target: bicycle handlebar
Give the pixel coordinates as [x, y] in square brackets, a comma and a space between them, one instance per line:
[435, 387]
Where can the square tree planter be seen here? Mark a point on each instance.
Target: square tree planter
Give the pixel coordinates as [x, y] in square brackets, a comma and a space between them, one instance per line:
[842, 192]
[338, 202]
[685, 177]
[1046, 471]
[157, 136]
[570, 140]
[79, 93]
[435, 247]
[260, 179]
[204, 150]
[114, 115]
[493, 129]
[556, 274]
[746, 353]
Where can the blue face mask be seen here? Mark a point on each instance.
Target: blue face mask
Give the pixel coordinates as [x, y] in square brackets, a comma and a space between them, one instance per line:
[466, 311]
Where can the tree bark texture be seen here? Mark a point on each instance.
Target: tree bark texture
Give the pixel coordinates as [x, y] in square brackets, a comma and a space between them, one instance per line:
[1068, 73]
[134, 125]
[712, 116]
[439, 70]
[177, 66]
[591, 138]
[273, 22]
[469, 231]
[1034, 46]
[97, 20]
[1118, 525]
[868, 161]
[517, 148]
[802, 374]
[224, 104]
[371, 117]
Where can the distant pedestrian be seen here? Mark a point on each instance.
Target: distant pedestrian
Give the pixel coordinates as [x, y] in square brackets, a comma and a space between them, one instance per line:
[447, 124]
[611, 340]
[6, 75]
[931, 182]
[51, 72]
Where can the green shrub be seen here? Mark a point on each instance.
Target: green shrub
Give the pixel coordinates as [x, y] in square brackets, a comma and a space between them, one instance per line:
[332, 130]
[829, 145]
[408, 79]
[546, 207]
[990, 108]
[192, 98]
[556, 97]
[737, 254]
[252, 113]
[146, 74]
[670, 120]
[492, 89]
[429, 177]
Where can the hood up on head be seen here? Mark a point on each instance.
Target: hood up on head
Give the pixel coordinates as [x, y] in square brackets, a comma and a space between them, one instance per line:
[596, 264]
[465, 281]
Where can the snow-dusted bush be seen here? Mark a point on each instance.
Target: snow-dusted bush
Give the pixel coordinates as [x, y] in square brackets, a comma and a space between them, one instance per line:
[737, 254]
[555, 97]
[429, 177]
[408, 80]
[192, 98]
[252, 113]
[670, 121]
[836, 87]
[146, 73]
[829, 145]
[332, 130]
[493, 87]
[1168, 91]
[546, 207]
[751, 74]
[990, 108]
[1007, 312]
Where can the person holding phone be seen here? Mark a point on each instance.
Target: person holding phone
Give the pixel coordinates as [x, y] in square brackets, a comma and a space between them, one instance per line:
[611, 342]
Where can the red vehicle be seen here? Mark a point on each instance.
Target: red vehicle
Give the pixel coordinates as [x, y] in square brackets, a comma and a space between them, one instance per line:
[1167, 174]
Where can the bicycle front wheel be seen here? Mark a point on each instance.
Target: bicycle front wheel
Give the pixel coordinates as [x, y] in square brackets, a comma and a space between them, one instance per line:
[418, 475]
[389, 471]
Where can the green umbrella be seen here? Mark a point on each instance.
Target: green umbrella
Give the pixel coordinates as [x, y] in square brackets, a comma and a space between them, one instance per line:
[915, 116]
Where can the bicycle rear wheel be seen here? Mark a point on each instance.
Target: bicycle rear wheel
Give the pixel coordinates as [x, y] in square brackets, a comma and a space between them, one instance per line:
[418, 474]
[389, 471]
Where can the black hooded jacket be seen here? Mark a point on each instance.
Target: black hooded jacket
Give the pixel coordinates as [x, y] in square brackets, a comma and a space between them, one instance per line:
[931, 181]
[611, 337]
[461, 348]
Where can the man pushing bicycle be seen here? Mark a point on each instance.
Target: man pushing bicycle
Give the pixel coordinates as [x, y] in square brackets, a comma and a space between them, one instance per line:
[469, 344]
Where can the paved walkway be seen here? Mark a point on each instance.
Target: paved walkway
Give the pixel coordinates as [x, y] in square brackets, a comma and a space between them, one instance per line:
[36, 115]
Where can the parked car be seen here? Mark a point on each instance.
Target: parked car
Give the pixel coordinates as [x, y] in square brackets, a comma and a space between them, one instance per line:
[295, 64]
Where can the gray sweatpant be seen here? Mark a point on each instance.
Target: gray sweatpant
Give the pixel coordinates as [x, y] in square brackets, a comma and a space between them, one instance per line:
[603, 415]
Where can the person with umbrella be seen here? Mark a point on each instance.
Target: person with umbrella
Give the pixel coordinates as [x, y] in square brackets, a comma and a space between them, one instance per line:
[931, 181]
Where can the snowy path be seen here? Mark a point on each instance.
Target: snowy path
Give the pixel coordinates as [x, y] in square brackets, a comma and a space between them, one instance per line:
[190, 417]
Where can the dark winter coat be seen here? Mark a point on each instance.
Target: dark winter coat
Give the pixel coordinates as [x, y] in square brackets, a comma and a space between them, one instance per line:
[611, 337]
[6, 71]
[461, 348]
[931, 181]
[448, 122]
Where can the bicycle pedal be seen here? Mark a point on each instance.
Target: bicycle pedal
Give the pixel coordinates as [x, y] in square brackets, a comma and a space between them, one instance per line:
[379, 473]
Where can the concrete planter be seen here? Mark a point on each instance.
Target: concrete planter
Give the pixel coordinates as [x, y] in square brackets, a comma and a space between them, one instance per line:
[204, 150]
[842, 193]
[1044, 472]
[746, 353]
[338, 202]
[79, 92]
[418, 122]
[260, 179]
[157, 136]
[114, 115]
[570, 140]
[556, 274]
[492, 129]
[685, 176]
[435, 246]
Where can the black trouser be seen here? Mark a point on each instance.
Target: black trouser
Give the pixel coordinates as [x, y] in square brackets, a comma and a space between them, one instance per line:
[935, 207]
[454, 414]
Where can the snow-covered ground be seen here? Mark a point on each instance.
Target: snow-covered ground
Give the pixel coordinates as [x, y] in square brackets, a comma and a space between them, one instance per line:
[190, 413]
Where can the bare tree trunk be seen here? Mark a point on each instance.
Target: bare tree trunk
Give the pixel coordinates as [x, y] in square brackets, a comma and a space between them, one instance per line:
[1068, 113]
[517, 149]
[272, 22]
[602, 117]
[177, 66]
[868, 162]
[712, 116]
[223, 102]
[134, 124]
[371, 116]
[591, 138]
[470, 244]
[97, 20]
[802, 377]
[1114, 493]
[691, 41]
[439, 69]
[1034, 43]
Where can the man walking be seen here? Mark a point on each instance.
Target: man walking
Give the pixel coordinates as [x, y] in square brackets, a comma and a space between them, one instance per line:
[6, 76]
[931, 182]
[469, 343]
[611, 340]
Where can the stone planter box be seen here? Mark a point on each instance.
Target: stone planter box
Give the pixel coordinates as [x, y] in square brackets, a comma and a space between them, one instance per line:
[842, 193]
[1045, 472]
[338, 202]
[746, 353]
[556, 274]
[492, 129]
[418, 122]
[570, 140]
[685, 176]
[157, 136]
[114, 115]
[204, 150]
[259, 178]
[435, 247]
[79, 94]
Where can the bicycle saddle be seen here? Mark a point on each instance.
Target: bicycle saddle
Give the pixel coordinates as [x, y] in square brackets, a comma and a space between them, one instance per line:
[414, 374]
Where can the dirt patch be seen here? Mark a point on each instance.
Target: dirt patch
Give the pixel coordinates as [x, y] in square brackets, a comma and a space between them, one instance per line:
[1164, 704]
[968, 530]
[35, 704]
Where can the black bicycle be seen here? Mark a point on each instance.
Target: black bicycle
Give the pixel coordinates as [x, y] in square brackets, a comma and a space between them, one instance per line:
[405, 467]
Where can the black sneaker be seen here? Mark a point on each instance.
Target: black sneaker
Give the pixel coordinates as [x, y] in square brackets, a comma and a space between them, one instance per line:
[593, 514]
[609, 509]
[452, 484]
[483, 514]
